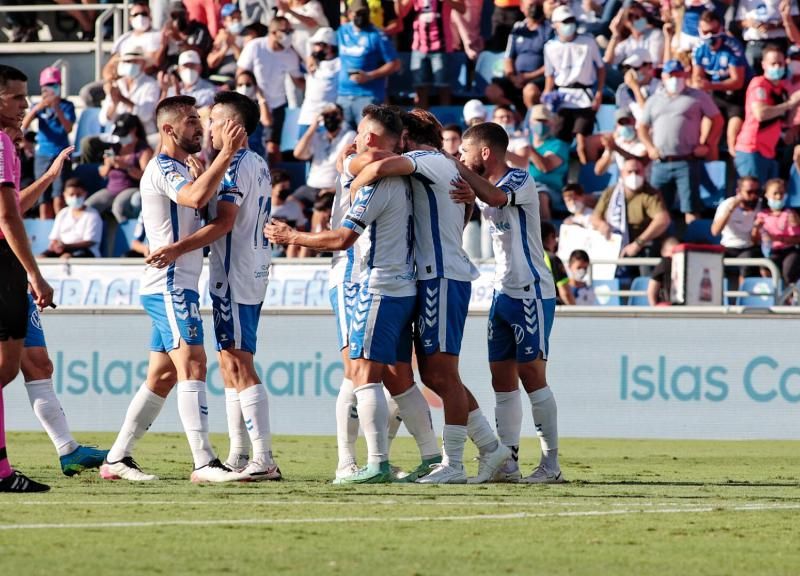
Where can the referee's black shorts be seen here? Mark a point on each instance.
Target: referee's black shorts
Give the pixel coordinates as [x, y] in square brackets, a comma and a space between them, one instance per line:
[13, 296]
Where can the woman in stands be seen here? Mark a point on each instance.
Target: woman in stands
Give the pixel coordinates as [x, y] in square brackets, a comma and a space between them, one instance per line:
[123, 165]
[777, 228]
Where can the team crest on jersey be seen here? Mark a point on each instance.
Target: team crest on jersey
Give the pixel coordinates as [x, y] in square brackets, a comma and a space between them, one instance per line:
[174, 178]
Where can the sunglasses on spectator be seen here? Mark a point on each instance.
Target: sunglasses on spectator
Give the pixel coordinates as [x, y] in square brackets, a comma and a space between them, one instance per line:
[569, 21]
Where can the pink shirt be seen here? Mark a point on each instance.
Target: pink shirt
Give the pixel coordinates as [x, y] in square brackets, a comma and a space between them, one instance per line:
[777, 224]
[432, 27]
[10, 166]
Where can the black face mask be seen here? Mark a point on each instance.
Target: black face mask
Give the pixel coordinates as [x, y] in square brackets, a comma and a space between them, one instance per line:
[284, 193]
[536, 12]
[331, 123]
[319, 55]
[751, 204]
[361, 20]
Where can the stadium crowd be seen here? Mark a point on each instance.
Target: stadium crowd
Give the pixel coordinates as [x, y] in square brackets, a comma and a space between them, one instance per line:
[643, 119]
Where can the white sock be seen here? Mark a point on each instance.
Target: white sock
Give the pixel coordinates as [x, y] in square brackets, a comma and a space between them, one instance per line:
[453, 438]
[346, 425]
[394, 416]
[545, 418]
[142, 412]
[48, 410]
[416, 414]
[193, 410]
[480, 432]
[255, 409]
[508, 419]
[237, 433]
[373, 413]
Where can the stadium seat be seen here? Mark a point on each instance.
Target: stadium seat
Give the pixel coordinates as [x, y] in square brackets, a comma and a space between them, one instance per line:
[297, 172]
[601, 292]
[713, 183]
[760, 292]
[126, 232]
[488, 66]
[38, 232]
[604, 120]
[699, 232]
[639, 283]
[793, 187]
[89, 177]
[88, 125]
[592, 183]
[289, 136]
[448, 114]
[400, 84]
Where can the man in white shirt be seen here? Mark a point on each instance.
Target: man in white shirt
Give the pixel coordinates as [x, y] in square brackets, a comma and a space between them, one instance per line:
[734, 221]
[171, 199]
[78, 229]
[322, 84]
[132, 91]
[271, 60]
[188, 81]
[764, 22]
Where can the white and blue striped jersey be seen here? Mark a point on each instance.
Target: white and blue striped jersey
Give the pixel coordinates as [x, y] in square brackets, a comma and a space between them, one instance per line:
[345, 264]
[239, 261]
[167, 222]
[520, 269]
[438, 221]
[381, 214]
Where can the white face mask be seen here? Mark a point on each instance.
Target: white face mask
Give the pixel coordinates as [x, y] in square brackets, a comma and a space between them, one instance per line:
[575, 207]
[633, 181]
[284, 39]
[235, 28]
[188, 76]
[140, 23]
[579, 274]
[674, 85]
[74, 201]
[128, 69]
[249, 91]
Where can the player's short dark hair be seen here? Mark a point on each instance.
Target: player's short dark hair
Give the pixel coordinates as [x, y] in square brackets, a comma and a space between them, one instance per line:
[453, 128]
[579, 256]
[74, 183]
[386, 116]
[172, 105]
[548, 229]
[11, 74]
[574, 187]
[246, 109]
[489, 134]
[423, 128]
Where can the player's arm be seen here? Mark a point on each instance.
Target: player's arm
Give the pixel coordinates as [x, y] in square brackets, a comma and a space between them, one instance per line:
[374, 171]
[326, 241]
[364, 159]
[485, 190]
[29, 195]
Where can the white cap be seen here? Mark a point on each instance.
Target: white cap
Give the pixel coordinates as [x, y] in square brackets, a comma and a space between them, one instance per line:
[474, 109]
[560, 14]
[637, 58]
[324, 36]
[188, 57]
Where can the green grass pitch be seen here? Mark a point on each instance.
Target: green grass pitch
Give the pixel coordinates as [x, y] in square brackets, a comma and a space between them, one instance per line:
[631, 507]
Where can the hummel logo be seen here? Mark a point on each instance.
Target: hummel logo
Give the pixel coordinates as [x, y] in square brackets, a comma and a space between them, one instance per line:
[528, 350]
[192, 331]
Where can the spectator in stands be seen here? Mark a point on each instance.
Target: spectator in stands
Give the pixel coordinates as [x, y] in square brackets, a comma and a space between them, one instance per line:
[720, 68]
[228, 42]
[549, 159]
[576, 201]
[634, 209]
[56, 117]
[206, 12]
[554, 263]
[285, 211]
[474, 112]
[582, 292]
[181, 33]
[320, 220]
[451, 139]
[186, 81]
[792, 137]
[27, 157]
[622, 144]
[431, 46]
[271, 60]
[766, 108]
[659, 287]
[523, 66]
[734, 220]
[139, 247]
[368, 58]
[123, 166]
[23, 24]
[575, 70]
[85, 19]
[506, 13]
[78, 229]
[518, 148]
[322, 148]
[642, 36]
[131, 92]
[689, 37]
[383, 14]
[466, 29]
[257, 141]
[141, 37]
[777, 230]
[322, 79]
[305, 17]
[764, 22]
[680, 126]
[638, 82]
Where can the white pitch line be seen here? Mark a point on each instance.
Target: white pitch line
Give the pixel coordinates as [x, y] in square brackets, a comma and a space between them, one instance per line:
[402, 519]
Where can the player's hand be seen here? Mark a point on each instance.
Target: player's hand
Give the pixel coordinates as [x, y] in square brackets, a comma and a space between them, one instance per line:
[631, 250]
[233, 138]
[41, 291]
[195, 166]
[163, 257]
[58, 163]
[461, 192]
[279, 232]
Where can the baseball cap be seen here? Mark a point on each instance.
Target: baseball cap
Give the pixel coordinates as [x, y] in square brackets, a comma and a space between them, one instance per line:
[560, 14]
[541, 112]
[132, 54]
[672, 67]
[638, 58]
[623, 113]
[474, 109]
[228, 9]
[188, 57]
[324, 36]
[357, 5]
[124, 124]
[50, 75]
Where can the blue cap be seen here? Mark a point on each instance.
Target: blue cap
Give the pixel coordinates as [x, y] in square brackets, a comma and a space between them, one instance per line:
[228, 9]
[672, 66]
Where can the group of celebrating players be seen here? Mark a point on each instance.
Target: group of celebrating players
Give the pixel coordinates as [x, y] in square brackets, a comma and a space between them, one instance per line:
[400, 283]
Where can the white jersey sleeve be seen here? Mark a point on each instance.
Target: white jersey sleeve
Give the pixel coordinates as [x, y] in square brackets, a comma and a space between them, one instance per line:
[345, 264]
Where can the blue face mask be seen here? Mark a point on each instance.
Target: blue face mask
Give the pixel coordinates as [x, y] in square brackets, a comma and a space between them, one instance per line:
[540, 129]
[627, 132]
[776, 73]
[776, 204]
[640, 24]
[568, 30]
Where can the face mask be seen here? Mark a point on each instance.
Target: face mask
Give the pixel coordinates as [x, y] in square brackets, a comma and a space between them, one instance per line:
[361, 20]
[509, 128]
[674, 85]
[235, 28]
[794, 67]
[776, 73]
[575, 207]
[188, 76]
[776, 204]
[579, 274]
[140, 23]
[128, 69]
[319, 55]
[633, 181]
[567, 30]
[74, 201]
[246, 90]
[750, 204]
[540, 129]
[332, 123]
[284, 39]
[711, 39]
[640, 24]
[536, 12]
[641, 77]
[125, 140]
[627, 132]
[55, 88]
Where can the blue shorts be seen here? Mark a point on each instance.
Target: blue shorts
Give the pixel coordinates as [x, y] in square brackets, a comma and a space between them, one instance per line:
[176, 317]
[343, 298]
[235, 325]
[380, 328]
[35, 335]
[520, 328]
[442, 307]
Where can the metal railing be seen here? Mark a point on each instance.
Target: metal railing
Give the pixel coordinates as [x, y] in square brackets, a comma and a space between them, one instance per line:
[119, 12]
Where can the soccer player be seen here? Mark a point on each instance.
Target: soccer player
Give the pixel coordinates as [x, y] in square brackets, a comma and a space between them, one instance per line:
[380, 218]
[170, 204]
[523, 305]
[17, 265]
[239, 270]
[445, 274]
